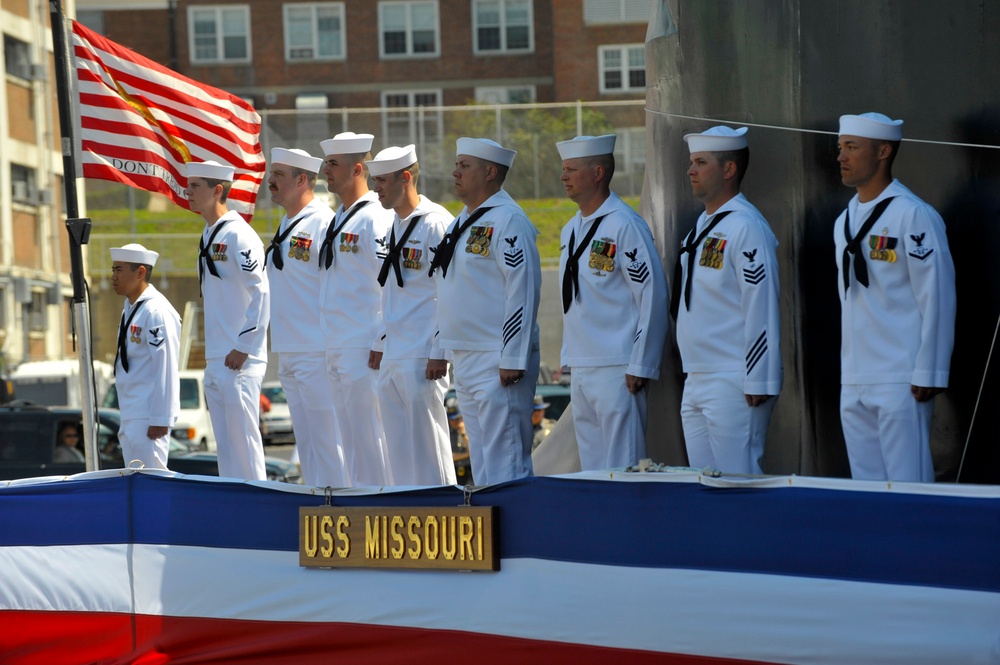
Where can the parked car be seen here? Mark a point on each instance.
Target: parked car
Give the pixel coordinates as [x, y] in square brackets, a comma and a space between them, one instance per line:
[193, 425]
[28, 434]
[276, 424]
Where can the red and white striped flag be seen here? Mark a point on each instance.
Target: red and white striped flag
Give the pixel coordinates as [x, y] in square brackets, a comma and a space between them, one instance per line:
[141, 122]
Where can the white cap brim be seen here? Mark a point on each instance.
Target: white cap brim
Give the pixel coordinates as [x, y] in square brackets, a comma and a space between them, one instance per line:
[210, 170]
[717, 139]
[871, 126]
[300, 159]
[486, 149]
[347, 143]
[392, 159]
[587, 146]
[134, 253]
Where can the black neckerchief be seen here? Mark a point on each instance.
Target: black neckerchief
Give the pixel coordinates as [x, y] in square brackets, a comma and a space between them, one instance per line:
[205, 258]
[279, 237]
[446, 248]
[326, 249]
[689, 247]
[571, 278]
[860, 267]
[395, 249]
[122, 351]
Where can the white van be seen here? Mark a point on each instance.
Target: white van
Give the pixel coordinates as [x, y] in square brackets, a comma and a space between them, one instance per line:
[57, 382]
[193, 424]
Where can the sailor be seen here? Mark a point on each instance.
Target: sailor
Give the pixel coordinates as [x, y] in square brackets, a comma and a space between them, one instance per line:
[725, 300]
[350, 257]
[489, 279]
[615, 308]
[291, 263]
[235, 288]
[146, 374]
[897, 290]
[541, 425]
[413, 371]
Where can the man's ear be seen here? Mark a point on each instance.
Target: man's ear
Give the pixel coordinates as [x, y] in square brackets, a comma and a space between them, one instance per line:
[729, 169]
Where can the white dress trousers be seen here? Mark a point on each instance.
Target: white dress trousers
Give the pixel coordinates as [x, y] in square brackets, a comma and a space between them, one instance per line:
[415, 423]
[721, 430]
[233, 398]
[310, 395]
[610, 421]
[887, 432]
[497, 418]
[137, 446]
[355, 402]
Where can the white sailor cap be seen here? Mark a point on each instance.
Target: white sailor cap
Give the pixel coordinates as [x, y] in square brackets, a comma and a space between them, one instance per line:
[134, 253]
[347, 143]
[486, 149]
[717, 139]
[871, 126]
[587, 146]
[300, 159]
[392, 159]
[210, 170]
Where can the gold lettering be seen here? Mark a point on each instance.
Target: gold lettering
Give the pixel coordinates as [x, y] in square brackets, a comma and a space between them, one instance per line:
[479, 538]
[448, 551]
[371, 538]
[431, 541]
[344, 549]
[411, 530]
[465, 537]
[385, 537]
[309, 529]
[324, 527]
[397, 524]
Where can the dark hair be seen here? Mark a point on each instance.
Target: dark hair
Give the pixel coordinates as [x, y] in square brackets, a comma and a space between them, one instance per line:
[606, 161]
[741, 158]
[226, 186]
[149, 269]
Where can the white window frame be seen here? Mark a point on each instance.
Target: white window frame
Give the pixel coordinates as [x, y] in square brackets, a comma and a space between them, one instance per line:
[500, 94]
[611, 12]
[504, 49]
[409, 5]
[413, 115]
[623, 51]
[314, 7]
[220, 57]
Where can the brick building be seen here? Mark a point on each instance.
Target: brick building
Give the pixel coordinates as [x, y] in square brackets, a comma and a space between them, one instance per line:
[34, 245]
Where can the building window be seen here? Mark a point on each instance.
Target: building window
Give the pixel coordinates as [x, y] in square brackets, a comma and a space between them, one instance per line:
[314, 31]
[505, 95]
[17, 56]
[616, 11]
[502, 26]
[311, 121]
[623, 68]
[412, 121]
[23, 184]
[92, 19]
[219, 34]
[408, 28]
[38, 312]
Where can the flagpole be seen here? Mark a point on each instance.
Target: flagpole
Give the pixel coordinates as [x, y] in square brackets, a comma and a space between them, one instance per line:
[79, 235]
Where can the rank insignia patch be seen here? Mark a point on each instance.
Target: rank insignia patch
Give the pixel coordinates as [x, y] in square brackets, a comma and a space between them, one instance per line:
[920, 252]
[753, 273]
[479, 240]
[638, 271]
[349, 242]
[249, 263]
[883, 248]
[513, 256]
[411, 258]
[712, 253]
[602, 255]
[298, 248]
[156, 337]
[135, 334]
[219, 251]
[382, 250]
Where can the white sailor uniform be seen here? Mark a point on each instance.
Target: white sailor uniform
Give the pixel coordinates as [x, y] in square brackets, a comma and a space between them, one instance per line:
[412, 407]
[487, 317]
[897, 332]
[351, 315]
[146, 376]
[728, 333]
[296, 337]
[236, 293]
[616, 325]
